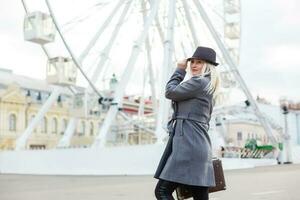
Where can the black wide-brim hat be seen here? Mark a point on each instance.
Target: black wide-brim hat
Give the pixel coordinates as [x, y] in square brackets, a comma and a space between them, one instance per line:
[205, 53]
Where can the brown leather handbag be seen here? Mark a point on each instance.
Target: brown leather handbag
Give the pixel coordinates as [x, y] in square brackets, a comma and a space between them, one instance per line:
[183, 193]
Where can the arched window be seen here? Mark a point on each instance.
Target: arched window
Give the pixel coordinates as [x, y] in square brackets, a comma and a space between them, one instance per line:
[44, 125]
[91, 128]
[82, 128]
[30, 120]
[12, 122]
[54, 125]
[239, 136]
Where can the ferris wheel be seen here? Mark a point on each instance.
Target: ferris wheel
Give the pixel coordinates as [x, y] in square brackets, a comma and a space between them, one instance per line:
[137, 41]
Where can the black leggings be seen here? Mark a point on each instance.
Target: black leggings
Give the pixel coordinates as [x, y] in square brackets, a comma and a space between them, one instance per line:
[164, 190]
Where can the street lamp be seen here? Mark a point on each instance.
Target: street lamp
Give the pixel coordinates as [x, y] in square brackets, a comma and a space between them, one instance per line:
[284, 105]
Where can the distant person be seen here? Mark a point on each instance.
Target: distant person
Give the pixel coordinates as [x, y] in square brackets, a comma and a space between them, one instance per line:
[187, 159]
[222, 151]
[279, 157]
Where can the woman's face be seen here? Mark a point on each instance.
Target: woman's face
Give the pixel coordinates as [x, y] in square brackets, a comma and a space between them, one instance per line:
[197, 67]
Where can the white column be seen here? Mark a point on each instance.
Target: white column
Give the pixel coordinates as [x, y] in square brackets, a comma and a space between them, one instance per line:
[21, 141]
[298, 128]
[65, 140]
[287, 140]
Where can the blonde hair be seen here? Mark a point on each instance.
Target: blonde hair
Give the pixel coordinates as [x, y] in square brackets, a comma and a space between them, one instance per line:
[214, 85]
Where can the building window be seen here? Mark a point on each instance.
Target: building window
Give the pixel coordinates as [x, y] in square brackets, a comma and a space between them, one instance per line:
[12, 122]
[135, 128]
[239, 136]
[91, 128]
[37, 146]
[31, 119]
[82, 128]
[44, 125]
[54, 125]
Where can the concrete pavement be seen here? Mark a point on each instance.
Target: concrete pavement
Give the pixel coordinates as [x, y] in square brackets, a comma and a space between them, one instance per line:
[263, 183]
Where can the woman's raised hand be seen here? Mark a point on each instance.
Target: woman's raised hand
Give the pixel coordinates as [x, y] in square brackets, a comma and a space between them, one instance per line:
[182, 64]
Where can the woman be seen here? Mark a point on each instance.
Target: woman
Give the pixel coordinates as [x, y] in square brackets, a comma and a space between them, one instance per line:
[187, 159]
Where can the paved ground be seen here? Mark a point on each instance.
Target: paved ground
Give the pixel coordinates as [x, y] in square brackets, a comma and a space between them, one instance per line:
[264, 183]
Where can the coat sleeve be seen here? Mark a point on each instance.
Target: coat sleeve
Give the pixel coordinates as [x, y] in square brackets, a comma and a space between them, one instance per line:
[188, 89]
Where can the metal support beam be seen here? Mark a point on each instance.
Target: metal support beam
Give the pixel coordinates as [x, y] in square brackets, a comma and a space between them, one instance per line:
[151, 76]
[158, 26]
[118, 100]
[236, 73]
[21, 141]
[164, 104]
[190, 22]
[182, 44]
[150, 67]
[106, 51]
[99, 32]
[65, 140]
[129, 120]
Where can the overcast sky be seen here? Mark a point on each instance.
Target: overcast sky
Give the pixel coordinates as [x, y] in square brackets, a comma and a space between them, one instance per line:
[270, 46]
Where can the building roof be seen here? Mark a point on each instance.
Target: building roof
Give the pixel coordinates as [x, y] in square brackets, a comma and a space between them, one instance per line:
[7, 77]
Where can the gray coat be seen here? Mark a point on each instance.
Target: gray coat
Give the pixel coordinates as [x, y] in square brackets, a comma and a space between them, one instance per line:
[187, 158]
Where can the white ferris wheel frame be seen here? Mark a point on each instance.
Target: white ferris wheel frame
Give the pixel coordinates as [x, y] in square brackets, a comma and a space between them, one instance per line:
[162, 112]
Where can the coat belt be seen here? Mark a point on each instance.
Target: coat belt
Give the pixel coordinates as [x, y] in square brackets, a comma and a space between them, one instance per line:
[191, 116]
[188, 116]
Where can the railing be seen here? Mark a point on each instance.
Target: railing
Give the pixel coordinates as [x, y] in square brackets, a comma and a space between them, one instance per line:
[241, 152]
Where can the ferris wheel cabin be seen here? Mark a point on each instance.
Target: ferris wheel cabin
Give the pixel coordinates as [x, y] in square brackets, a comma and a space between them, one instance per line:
[61, 71]
[232, 6]
[39, 28]
[232, 30]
